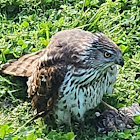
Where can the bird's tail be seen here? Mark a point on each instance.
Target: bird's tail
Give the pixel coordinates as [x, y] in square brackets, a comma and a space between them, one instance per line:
[24, 66]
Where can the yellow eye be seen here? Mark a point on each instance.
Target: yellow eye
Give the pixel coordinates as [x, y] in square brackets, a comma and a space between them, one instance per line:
[107, 54]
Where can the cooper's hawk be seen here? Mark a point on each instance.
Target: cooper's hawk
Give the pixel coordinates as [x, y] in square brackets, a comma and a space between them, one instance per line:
[71, 75]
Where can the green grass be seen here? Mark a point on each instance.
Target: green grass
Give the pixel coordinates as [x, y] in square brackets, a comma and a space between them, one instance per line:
[27, 25]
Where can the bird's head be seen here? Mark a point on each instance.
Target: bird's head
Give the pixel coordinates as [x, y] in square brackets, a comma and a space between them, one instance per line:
[104, 52]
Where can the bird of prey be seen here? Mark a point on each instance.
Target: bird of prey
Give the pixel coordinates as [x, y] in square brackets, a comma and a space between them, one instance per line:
[71, 75]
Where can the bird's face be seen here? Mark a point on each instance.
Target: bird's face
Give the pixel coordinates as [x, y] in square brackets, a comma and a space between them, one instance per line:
[104, 52]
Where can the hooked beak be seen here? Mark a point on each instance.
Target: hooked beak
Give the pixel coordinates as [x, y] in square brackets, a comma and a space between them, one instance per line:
[120, 61]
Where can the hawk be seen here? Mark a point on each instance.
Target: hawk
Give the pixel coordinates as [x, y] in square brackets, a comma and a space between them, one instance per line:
[71, 75]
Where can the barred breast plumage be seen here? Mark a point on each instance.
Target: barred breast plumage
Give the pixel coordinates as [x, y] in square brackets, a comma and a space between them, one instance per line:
[79, 94]
[71, 75]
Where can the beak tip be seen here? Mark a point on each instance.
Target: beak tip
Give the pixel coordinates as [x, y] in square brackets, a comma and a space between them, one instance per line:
[120, 62]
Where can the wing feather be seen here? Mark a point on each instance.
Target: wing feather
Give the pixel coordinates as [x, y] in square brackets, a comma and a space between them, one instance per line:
[23, 66]
[43, 86]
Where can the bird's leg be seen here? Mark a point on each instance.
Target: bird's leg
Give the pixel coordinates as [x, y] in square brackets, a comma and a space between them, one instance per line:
[109, 106]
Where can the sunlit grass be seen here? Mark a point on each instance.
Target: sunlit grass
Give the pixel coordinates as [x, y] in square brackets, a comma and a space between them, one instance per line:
[27, 26]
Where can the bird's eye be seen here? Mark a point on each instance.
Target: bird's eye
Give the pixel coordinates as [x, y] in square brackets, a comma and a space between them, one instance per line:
[107, 54]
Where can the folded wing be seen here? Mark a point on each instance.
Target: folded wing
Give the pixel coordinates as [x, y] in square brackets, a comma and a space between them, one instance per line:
[23, 66]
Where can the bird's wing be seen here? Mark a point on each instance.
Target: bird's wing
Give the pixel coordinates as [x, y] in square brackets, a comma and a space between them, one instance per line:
[64, 46]
[43, 87]
[23, 66]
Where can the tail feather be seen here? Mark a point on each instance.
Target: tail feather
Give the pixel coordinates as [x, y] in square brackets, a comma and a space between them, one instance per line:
[23, 66]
